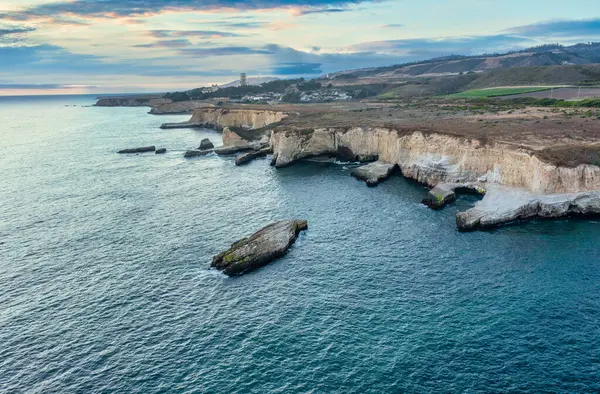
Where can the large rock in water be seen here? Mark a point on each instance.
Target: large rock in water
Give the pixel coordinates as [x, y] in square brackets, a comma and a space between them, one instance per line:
[205, 144]
[260, 249]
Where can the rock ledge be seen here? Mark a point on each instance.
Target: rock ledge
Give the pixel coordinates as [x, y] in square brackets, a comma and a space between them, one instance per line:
[373, 173]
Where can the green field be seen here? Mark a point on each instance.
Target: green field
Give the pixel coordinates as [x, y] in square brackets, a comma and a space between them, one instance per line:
[497, 92]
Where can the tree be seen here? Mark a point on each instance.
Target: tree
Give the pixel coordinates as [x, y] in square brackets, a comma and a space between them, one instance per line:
[178, 96]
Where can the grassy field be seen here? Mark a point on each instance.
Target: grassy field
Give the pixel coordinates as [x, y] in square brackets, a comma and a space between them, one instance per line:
[497, 92]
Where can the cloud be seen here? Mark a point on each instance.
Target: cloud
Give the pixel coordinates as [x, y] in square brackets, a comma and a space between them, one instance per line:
[41, 86]
[242, 25]
[135, 8]
[202, 34]
[45, 60]
[446, 45]
[15, 30]
[297, 69]
[393, 26]
[30, 86]
[322, 11]
[224, 51]
[177, 43]
[290, 61]
[585, 28]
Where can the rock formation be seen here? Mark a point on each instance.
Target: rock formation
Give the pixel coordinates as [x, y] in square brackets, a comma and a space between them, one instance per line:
[161, 151]
[218, 118]
[138, 150]
[179, 107]
[517, 184]
[245, 158]
[373, 173]
[445, 193]
[221, 151]
[205, 144]
[431, 158]
[259, 249]
[503, 204]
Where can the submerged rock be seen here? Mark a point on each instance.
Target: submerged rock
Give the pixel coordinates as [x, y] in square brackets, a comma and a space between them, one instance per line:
[260, 249]
[373, 173]
[205, 144]
[161, 151]
[139, 150]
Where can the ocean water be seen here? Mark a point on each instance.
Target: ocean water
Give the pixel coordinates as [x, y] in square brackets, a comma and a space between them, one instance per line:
[105, 284]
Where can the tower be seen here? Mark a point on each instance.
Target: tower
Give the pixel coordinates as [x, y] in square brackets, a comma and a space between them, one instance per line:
[243, 80]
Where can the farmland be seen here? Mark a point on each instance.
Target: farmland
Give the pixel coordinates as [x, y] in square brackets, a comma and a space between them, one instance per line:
[498, 92]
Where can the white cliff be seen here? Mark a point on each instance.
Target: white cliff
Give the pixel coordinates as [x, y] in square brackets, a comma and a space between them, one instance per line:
[218, 118]
[529, 187]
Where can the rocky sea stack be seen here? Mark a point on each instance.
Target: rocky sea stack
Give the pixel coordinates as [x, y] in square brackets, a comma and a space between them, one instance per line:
[260, 249]
[205, 144]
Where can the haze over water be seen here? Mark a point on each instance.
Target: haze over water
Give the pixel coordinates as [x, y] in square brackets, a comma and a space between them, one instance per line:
[105, 286]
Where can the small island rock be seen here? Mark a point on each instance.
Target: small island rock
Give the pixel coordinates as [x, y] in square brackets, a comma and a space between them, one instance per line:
[260, 249]
[161, 151]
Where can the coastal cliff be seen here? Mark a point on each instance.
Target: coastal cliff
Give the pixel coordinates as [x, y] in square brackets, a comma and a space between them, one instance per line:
[515, 182]
[179, 107]
[431, 158]
[218, 118]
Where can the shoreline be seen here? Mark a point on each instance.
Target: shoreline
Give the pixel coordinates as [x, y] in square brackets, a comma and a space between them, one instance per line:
[516, 182]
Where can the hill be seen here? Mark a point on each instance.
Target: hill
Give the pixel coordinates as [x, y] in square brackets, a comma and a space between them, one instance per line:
[580, 75]
[547, 55]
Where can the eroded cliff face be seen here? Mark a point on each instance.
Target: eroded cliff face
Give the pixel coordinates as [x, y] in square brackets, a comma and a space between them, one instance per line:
[222, 117]
[433, 158]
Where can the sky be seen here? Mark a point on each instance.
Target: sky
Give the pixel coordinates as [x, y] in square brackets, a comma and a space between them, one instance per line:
[115, 46]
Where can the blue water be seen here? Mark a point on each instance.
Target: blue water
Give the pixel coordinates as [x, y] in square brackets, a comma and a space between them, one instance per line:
[105, 286]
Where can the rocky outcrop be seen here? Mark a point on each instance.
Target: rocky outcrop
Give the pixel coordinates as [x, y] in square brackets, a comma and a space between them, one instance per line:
[432, 158]
[373, 173]
[161, 151]
[259, 249]
[232, 138]
[206, 144]
[445, 193]
[503, 205]
[138, 150]
[222, 151]
[218, 118]
[247, 157]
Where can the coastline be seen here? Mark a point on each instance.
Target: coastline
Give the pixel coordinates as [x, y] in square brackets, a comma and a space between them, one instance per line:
[515, 177]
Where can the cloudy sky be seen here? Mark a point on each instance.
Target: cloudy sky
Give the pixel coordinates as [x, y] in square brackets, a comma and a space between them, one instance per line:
[96, 46]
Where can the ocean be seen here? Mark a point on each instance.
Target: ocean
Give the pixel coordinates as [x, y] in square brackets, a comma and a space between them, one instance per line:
[105, 284]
